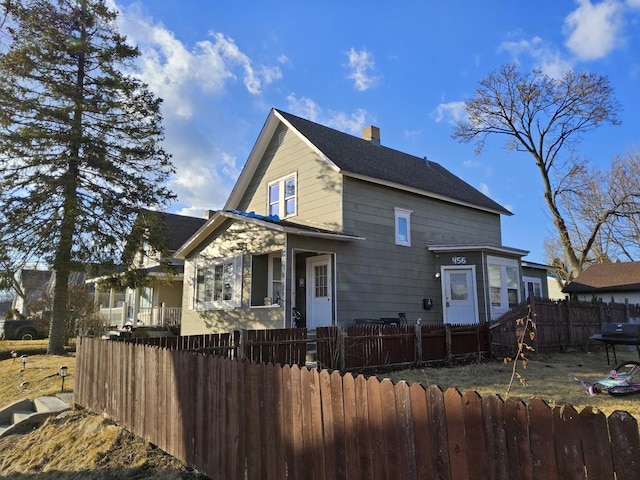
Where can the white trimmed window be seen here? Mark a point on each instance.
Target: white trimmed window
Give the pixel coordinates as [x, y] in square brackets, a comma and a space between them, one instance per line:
[218, 284]
[282, 196]
[403, 226]
[533, 287]
[504, 284]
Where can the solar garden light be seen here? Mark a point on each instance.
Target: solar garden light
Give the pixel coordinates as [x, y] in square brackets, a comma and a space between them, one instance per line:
[62, 371]
[14, 355]
[24, 361]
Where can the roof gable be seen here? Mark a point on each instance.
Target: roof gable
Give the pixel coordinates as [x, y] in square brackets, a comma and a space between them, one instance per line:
[622, 276]
[354, 156]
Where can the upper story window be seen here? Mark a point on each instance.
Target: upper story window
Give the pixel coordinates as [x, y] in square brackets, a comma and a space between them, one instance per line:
[282, 197]
[403, 226]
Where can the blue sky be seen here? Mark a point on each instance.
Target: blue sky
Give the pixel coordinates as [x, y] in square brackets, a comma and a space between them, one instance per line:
[406, 67]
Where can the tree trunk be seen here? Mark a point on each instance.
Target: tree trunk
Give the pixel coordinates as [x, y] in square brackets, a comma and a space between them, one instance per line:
[62, 261]
[57, 329]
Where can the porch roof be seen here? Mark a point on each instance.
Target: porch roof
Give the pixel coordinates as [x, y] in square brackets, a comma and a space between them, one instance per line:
[496, 249]
[271, 222]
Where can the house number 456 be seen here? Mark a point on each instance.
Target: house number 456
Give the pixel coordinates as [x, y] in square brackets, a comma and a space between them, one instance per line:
[459, 260]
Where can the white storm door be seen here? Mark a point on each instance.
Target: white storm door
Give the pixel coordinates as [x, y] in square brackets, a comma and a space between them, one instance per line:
[319, 292]
[459, 295]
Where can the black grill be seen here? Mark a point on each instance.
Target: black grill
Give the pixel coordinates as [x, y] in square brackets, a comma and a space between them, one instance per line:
[612, 334]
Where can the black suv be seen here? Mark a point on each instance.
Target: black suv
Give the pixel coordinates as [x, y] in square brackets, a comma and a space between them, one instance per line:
[25, 329]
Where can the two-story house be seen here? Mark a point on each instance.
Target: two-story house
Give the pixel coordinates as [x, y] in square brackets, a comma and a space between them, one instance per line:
[338, 228]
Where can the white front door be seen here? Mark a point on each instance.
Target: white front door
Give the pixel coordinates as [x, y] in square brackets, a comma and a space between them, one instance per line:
[319, 292]
[459, 295]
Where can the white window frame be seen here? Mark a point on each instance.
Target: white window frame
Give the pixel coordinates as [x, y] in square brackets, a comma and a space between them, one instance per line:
[503, 264]
[281, 202]
[236, 283]
[400, 215]
[533, 281]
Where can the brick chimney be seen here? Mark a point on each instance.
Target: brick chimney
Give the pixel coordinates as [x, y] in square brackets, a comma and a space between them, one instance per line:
[209, 213]
[372, 134]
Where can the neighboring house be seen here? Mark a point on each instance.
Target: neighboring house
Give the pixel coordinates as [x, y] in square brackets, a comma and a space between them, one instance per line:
[554, 287]
[340, 228]
[159, 302]
[609, 282]
[34, 284]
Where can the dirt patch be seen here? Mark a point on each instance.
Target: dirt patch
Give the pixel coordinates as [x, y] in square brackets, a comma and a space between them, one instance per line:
[81, 445]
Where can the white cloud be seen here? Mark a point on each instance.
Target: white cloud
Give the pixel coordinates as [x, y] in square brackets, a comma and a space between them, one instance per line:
[361, 64]
[547, 58]
[450, 112]
[594, 30]
[346, 122]
[484, 188]
[178, 74]
[192, 81]
[471, 163]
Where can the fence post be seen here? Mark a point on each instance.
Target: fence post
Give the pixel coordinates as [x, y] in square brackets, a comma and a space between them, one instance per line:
[626, 309]
[241, 335]
[601, 312]
[570, 325]
[447, 339]
[341, 340]
[417, 331]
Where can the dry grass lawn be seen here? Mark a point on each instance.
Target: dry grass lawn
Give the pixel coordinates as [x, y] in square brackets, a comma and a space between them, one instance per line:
[548, 377]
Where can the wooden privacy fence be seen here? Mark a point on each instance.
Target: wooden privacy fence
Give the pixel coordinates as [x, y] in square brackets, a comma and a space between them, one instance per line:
[360, 347]
[235, 419]
[352, 348]
[286, 346]
[560, 324]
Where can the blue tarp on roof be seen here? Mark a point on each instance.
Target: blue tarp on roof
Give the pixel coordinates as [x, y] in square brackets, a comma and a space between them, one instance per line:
[268, 218]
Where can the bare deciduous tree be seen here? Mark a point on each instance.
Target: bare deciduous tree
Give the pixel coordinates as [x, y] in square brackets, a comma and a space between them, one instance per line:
[546, 117]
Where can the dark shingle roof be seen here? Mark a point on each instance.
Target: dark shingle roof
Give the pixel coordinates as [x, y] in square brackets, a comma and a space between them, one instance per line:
[362, 157]
[178, 228]
[607, 277]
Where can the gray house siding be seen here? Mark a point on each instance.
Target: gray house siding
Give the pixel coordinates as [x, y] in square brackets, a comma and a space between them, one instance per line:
[390, 278]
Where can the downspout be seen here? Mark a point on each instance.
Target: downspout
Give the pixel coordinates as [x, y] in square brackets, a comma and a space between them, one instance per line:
[286, 300]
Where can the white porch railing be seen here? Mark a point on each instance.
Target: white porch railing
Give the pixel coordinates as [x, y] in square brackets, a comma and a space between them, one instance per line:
[152, 316]
[113, 316]
[160, 316]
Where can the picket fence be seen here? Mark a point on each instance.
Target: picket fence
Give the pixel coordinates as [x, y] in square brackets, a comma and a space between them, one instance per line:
[234, 419]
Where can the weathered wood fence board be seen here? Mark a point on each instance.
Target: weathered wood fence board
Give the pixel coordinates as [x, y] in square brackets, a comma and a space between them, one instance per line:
[236, 419]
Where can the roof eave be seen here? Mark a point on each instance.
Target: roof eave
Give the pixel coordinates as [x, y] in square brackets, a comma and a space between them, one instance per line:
[486, 247]
[220, 216]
